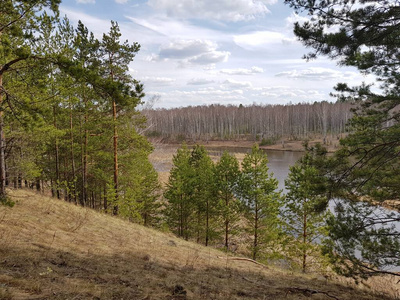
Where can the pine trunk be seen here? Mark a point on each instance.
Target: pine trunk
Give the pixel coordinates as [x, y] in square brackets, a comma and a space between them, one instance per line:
[73, 189]
[304, 241]
[85, 158]
[255, 244]
[57, 157]
[2, 147]
[226, 222]
[105, 203]
[84, 146]
[181, 231]
[207, 222]
[115, 138]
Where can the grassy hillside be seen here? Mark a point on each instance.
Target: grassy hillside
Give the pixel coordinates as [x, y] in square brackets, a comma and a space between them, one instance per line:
[50, 249]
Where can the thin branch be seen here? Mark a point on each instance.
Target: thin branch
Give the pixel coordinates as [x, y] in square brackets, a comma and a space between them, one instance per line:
[16, 20]
[245, 259]
[308, 292]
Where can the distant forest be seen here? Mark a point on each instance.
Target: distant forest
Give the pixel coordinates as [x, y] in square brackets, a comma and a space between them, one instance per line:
[255, 122]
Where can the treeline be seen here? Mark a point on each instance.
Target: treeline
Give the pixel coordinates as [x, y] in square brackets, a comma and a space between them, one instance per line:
[269, 122]
[68, 120]
[227, 204]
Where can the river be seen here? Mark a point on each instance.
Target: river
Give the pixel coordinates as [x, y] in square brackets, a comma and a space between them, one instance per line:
[278, 161]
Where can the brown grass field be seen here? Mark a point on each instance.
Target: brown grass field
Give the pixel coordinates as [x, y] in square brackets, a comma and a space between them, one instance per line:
[50, 249]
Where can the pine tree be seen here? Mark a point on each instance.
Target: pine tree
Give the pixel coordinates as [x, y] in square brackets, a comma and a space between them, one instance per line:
[179, 193]
[116, 57]
[140, 200]
[258, 191]
[203, 193]
[226, 180]
[19, 24]
[139, 180]
[88, 113]
[304, 212]
[364, 35]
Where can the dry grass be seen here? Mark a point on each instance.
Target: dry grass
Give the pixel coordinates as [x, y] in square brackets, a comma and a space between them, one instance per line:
[50, 249]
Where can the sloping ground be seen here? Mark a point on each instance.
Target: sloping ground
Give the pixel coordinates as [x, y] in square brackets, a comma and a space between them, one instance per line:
[50, 249]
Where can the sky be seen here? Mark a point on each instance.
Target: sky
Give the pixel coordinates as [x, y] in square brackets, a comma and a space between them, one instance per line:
[201, 52]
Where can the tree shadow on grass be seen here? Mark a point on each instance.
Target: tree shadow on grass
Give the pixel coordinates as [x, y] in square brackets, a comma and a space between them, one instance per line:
[40, 272]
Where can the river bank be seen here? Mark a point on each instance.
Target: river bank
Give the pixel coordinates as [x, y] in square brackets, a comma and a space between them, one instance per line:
[331, 144]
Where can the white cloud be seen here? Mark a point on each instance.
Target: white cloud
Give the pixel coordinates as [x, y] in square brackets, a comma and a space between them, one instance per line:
[293, 18]
[233, 84]
[242, 71]
[199, 81]
[97, 25]
[224, 10]
[210, 58]
[211, 92]
[151, 58]
[262, 39]
[191, 52]
[175, 29]
[158, 80]
[86, 1]
[121, 1]
[286, 94]
[186, 48]
[317, 73]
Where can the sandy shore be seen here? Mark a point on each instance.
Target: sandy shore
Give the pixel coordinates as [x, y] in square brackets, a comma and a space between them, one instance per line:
[283, 145]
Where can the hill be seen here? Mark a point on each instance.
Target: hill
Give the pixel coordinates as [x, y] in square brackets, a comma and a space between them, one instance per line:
[50, 249]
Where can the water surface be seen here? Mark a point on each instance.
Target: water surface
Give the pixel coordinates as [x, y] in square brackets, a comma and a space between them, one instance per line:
[279, 161]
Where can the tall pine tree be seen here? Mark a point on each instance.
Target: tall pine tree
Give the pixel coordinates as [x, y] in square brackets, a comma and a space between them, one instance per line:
[227, 174]
[179, 193]
[258, 191]
[305, 212]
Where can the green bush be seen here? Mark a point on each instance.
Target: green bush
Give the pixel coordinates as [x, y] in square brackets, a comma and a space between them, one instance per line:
[6, 201]
[268, 141]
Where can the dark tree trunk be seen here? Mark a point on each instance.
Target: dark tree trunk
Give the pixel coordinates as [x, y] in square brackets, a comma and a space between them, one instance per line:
[207, 222]
[115, 139]
[73, 187]
[255, 244]
[57, 157]
[2, 148]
